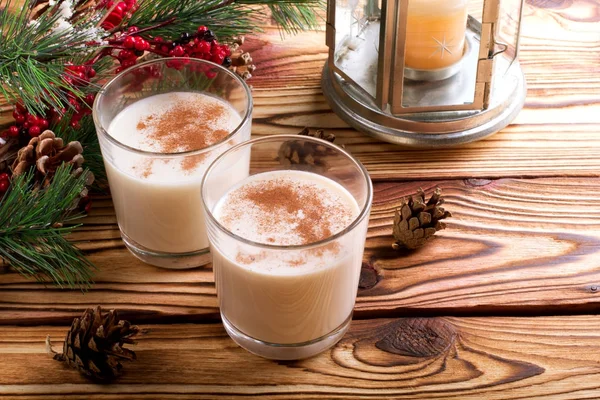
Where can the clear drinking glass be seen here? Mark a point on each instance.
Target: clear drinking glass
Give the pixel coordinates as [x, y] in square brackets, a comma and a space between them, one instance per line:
[157, 194]
[298, 300]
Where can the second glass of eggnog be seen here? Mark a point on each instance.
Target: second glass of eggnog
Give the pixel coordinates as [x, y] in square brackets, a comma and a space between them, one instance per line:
[287, 243]
[160, 124]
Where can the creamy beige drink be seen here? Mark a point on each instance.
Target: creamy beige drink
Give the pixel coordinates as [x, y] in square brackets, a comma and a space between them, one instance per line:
[157, 200]
[287, 296]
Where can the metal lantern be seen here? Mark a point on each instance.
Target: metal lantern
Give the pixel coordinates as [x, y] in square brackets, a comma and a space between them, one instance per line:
[424, 72]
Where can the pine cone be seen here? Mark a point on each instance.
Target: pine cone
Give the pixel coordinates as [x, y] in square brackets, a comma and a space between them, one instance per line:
[94, 344]
[293, 152]
[416, 221]
[47, 153]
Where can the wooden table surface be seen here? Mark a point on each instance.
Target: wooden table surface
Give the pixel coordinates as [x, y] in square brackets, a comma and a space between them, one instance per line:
[501, 305]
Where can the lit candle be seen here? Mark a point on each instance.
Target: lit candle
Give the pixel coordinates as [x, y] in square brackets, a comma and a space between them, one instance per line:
[435, 33]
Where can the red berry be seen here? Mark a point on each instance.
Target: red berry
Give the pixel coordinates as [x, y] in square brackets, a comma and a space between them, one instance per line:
[125, 55]
[91, 73]
[26, 125]
[118, 70]
[4, 176]
[114, 18]
[89, 98]
[110, 4]
[218, 58]
[140, 44]
[43, 124]
[159, 39]
[132, 29]
[203, 47]
[32, 119]
[21, 108]
[4, 186]
[78, 115]
[75, 124]
[19, 119]
[131, 5]
[13, 131]
[211, 74]
[34, 131]
[129, 42]
[202, 29]
[107, 25]
[178, 51]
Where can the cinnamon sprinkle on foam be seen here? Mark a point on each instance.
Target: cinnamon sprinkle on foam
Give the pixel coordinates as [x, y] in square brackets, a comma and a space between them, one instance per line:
[285, 211]
[185, 126]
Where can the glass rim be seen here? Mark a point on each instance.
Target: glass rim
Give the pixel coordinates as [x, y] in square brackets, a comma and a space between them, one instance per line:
[359, 218]
[102, 131]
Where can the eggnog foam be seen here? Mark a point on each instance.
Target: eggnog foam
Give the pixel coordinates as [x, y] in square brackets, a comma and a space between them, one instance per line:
[172, 123]
[287, 208]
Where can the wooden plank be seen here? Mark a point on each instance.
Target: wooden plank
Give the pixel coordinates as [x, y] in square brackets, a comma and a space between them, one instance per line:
[513, 246]
[557, 134]
[443, 358]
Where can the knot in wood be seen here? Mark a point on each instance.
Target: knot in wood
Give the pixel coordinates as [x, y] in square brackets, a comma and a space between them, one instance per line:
[475, 182]
[417, 337]
[368, 277]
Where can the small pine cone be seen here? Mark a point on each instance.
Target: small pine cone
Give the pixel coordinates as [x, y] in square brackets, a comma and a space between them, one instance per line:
[297, 153]
[47, 152]
[417, 221]
[94, 344]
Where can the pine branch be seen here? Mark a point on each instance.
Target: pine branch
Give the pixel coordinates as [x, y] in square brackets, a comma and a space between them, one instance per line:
[293, 16]
[227, 18]
[33, 55]
[32, 234]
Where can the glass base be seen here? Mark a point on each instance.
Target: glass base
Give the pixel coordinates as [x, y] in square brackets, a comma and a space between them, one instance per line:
[296, 351]
[187, 260]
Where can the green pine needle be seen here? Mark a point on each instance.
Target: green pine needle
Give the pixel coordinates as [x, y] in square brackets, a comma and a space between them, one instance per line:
[33, 55]
[227, 18]
[32, 235]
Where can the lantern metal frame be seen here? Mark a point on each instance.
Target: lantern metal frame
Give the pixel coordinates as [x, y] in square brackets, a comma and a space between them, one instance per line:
[496, 100]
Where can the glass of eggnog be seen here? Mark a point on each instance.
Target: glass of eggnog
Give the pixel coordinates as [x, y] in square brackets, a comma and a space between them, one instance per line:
[160, 124]
[287, 243]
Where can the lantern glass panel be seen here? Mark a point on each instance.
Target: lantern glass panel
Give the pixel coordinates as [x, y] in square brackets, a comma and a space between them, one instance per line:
[507, 34]
[442, 52]
[357, 24]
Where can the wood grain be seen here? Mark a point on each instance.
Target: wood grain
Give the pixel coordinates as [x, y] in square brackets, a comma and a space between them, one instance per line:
[557, 134]
[513, 246]
[442, 358]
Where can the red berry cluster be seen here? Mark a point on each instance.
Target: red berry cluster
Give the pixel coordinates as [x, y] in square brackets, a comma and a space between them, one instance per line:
[130, 45]
[32, 125]
[26, 123]
[4, 182]
[122, 9]
[78, 76]
[133, 47]
[201, 45]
